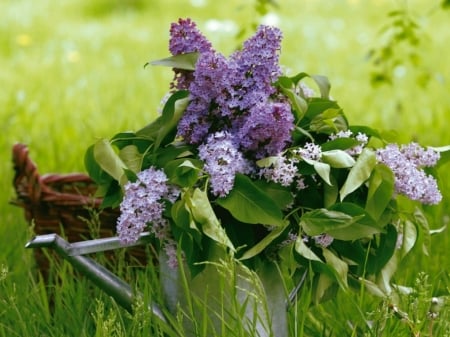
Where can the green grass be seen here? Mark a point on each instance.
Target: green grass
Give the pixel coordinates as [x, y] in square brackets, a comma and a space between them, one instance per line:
[72, 71]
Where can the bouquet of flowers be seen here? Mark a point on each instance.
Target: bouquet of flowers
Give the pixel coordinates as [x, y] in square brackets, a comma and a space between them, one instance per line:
[250, 159]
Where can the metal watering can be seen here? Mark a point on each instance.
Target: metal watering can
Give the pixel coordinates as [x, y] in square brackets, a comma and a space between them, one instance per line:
[125, 296]
[114, 286]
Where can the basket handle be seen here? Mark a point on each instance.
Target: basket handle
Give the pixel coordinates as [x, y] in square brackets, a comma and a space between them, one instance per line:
[27, 181]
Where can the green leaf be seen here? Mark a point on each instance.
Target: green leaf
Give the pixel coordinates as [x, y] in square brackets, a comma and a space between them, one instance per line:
[163, 129]
[444, 154]
[183, 172]
[338, 159]
[267, 161]
[304, 251]
[261, 245]
[94, 169]
[438, 230]
[409, 238]
[388, 249]
[424, 238]
[184, 220]
[298, 103]
[123, 139]
[324, 283]
[131, 158]
[185, 61]
[162, 156]
[322, 169]
[329, 121]
[281, 195]
[113, 195]
[330, 192]
[248, 203]
[364, 225]
[383, 250]
[366, 130]
[297, 78]
[338, 266]
[339, 144]
[322, 220]
[373, 288]
[110, 161]
[359, 173]
[324, 85]
[322, 82]
[203, 214]
[441, 148]
[381, 190]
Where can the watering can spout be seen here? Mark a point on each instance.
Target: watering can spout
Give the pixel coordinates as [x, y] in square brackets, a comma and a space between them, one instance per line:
[99, 275]
[53, 241]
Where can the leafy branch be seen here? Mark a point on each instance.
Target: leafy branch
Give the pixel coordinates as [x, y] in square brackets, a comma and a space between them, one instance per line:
[401, 49]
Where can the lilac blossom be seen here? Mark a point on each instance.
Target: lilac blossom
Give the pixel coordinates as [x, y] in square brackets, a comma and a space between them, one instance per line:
[323, 240]
[309, 151]
[170, 248]
[258, 60]
[290, 239]
[143, 205]
[234, 95]
[420, 156]
[301, 184]
[266, 131]
[283, 170]
[341, 134]
[360, 137]
[222, 162]
[410, 179]
[209, 81]
[186, 38]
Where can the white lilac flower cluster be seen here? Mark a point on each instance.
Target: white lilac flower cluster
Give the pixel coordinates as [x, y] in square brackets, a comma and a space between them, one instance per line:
[360, 137]
[407, 162]
[282, 170]
[310, 151]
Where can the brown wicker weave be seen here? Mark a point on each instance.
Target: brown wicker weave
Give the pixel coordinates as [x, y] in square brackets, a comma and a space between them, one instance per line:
[62, 204]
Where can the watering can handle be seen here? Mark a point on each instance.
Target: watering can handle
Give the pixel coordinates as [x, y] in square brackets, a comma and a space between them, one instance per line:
[104, 244]
[99, 275]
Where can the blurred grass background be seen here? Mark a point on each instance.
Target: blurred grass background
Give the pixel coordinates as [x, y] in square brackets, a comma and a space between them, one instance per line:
[72, 71]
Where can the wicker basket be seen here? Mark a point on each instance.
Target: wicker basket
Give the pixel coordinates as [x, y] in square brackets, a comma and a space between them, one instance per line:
[62, 204]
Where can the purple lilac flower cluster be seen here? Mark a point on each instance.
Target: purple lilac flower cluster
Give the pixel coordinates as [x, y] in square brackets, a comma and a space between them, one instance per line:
[143, 204]
[406, 163]
[267, 129]
[222, 162]
[235, 94]
[186, 38]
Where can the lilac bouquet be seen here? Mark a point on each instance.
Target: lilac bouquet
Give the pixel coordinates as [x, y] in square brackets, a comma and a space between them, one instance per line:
[247, 158]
